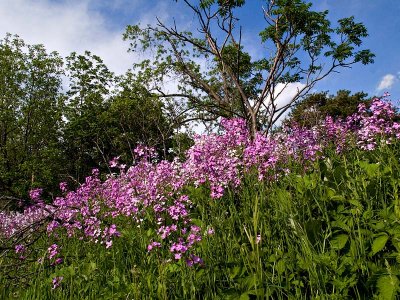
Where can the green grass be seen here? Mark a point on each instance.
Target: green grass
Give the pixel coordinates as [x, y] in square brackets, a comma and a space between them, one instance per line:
[331, 232]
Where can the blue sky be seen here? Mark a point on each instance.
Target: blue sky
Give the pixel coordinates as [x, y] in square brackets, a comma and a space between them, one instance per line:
[97, 25]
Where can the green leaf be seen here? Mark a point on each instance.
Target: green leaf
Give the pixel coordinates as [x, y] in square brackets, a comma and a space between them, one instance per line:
[379, 243]
[198, 222]
[370, 169]
[172, 268]
[234, 272]
[258, 292]
[281, 266]
[200, 274]
[388, 286]
[339, 241]
[149, 232]
[244, 296]
[356, 203]
[249, 281]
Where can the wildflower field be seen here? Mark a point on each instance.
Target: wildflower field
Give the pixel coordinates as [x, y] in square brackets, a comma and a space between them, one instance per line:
[303, 213]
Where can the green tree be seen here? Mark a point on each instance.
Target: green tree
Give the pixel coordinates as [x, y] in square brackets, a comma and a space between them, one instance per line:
[31, 106]
[304, 47]
[316, 107]
[136, 116]
[107, 116]
[90, 89]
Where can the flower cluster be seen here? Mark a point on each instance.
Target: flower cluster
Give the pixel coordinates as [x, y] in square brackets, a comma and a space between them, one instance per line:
[13, 223]
[152, 194]
[375, 124]
[54, 255]
[215, 158]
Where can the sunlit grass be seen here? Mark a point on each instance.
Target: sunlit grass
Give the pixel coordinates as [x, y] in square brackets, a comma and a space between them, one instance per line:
[331, 232]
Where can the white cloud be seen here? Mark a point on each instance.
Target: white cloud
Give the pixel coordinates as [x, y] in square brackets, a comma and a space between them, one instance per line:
[287, 93]
[387, 82]
[69, 25]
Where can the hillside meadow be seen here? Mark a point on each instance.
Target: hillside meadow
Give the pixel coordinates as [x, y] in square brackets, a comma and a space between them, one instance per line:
[304, 213]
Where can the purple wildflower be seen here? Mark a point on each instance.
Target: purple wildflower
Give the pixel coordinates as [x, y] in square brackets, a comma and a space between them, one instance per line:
[57, 281]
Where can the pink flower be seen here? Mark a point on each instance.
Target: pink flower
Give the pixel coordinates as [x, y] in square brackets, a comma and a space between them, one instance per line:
[114, 162]
[258, 239]
[193, 260]
[108, 244]
[63, 186]
[35, 195]
[153, 245]
[57, 281]
[19, 248]
[53, 251]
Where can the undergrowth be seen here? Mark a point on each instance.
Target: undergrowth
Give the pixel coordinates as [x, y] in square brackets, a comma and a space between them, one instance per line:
[330, 231]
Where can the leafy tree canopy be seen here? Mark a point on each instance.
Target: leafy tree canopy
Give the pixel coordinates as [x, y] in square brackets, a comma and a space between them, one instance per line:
[31, 106]
[316, 107]
[216, 77]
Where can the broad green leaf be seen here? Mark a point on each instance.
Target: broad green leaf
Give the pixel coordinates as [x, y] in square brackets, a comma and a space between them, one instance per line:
[378, 225]
[356, 203]
[370, 169]
[198, 222]
[249, 281]
[339, 241]
[234, 272]
[150, 232]
[333, 195]
[200, 274]
[244, 296]
[379, 243]
[257, 292]
[281, 266]
[388, 286]
[172, 268]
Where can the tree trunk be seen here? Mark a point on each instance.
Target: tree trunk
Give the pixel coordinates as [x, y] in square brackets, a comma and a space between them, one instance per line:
[253, 125]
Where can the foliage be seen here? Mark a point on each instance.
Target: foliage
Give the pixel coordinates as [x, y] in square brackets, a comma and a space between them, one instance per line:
[90, 84]
[316, 107]
[31, 107]
[215, 75]
[306, 213]
[136, 117]
[48, 135]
